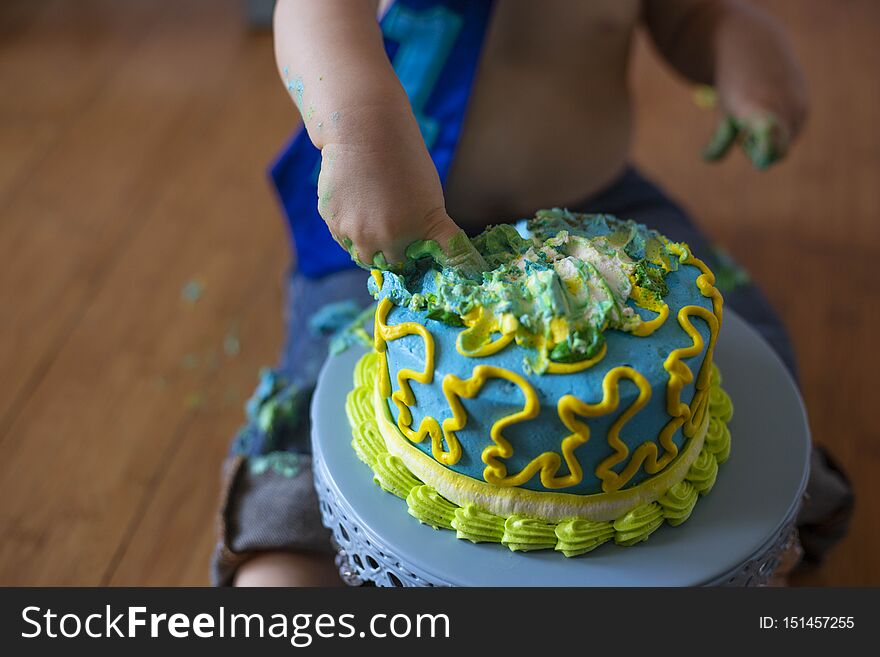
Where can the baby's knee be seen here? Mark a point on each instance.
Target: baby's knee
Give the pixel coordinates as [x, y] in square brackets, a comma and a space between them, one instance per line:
[288, 569]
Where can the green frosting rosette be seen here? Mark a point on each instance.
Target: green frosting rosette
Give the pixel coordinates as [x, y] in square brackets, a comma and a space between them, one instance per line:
[703, 471]
[578, 536]
[358, 405]
[524, 534]
[679, 502]
[714, 376]
[718, 439]
[392, 475]
[637, 525]
[367, 442]
[365, 370]
[477, 526]
[430, 508]
[720, 405]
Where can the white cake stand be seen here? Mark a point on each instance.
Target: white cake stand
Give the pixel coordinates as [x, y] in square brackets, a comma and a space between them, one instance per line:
[734, 537]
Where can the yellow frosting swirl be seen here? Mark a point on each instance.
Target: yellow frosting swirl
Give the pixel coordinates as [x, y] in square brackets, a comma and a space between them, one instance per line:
[522, 533]
[577, 536]
[720, 405]
[718, 439]
[430, 508]
[477, 526]
[637, 525]
[679, 502]
[392, 475]
[703, 471]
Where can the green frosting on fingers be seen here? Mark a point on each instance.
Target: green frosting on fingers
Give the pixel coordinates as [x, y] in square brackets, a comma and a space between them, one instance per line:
[703, 471]
[578, 536]
[477, 526]
[524, 534]
[425, 249]
[722, 139]
[679, 502]
[756, 136]
[460, 254]
[393, 476]
[378, 261]
[463, 257]
[759, 143]
[637, 525]
[430, 508]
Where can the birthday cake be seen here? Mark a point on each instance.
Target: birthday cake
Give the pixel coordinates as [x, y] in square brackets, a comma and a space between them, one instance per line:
[566, 399]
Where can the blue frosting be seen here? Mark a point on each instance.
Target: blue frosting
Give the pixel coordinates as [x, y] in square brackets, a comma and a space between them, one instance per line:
[499, 397]
[545, 432]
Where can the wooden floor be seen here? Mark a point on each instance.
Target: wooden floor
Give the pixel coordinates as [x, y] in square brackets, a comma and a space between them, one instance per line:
[133, 143]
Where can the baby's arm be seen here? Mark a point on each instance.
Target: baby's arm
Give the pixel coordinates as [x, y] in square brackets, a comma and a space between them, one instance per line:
[378, 189]
[744, 53]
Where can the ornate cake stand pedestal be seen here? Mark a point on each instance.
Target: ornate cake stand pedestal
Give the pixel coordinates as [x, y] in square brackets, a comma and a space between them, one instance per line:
[735, 536]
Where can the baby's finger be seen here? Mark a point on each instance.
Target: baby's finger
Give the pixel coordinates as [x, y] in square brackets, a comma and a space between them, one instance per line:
[723, 138]
[449, 246]
[765, 141]
[462, 255]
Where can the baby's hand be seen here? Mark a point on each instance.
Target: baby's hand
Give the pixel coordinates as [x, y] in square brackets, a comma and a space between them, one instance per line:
[377, 198]
[380, 194]
[762, 91]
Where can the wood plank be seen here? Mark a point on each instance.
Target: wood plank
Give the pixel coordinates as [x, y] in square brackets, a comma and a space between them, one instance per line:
[98, 426]
[172, 540]
[45, 93]
[183, 510]
[69, 217]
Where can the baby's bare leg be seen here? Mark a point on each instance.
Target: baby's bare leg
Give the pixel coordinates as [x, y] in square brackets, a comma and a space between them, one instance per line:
[288, 569]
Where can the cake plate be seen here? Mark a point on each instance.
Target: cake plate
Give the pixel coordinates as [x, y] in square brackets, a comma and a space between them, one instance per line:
[734, 537]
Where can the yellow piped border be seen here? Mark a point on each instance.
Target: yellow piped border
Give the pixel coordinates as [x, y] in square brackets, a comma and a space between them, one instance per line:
[550, 506]
[570, 406]
[403, 397]
[691, 416]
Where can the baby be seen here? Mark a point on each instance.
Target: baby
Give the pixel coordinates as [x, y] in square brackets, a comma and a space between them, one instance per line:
[532, 100]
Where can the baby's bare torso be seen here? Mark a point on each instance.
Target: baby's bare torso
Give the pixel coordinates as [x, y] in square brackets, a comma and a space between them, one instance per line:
[549, 118]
